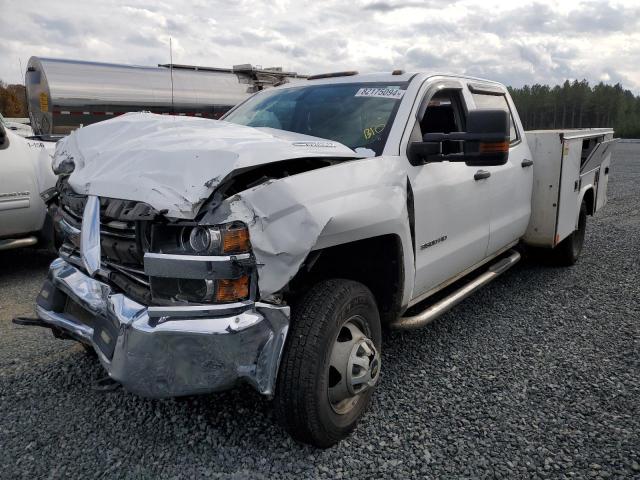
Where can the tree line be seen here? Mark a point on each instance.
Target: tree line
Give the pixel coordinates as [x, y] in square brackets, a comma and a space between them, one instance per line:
[578, 105]
[572, 105]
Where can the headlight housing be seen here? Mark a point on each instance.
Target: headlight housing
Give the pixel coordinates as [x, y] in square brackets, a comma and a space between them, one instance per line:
[227, 239]
[188, 290]
[224, 279]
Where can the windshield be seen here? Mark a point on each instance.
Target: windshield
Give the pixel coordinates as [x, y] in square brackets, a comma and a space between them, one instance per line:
[354, 114]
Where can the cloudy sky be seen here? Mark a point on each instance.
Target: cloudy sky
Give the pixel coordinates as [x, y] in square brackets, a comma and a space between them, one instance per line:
[516, 42]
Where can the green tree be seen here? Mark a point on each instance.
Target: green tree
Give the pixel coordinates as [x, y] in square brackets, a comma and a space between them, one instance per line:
[578, 105]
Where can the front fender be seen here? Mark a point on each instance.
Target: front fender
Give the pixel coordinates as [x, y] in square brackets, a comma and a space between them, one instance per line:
[343, 203]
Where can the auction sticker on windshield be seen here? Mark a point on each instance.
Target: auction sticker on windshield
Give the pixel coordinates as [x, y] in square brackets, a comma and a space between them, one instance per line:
[381, 92]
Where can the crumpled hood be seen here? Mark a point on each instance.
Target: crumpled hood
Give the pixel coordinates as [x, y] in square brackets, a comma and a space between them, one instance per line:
[175, 163]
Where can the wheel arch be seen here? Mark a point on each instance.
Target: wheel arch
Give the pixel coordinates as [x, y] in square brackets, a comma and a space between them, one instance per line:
[376, 262]
[588, 196]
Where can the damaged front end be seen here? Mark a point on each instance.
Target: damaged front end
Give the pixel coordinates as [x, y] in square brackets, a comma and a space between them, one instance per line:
[177, 236]
[170, 306]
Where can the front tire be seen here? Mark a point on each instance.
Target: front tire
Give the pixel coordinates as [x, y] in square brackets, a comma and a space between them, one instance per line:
[331, 363]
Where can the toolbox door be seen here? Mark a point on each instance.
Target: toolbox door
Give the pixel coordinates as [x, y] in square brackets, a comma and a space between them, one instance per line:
[600, 157]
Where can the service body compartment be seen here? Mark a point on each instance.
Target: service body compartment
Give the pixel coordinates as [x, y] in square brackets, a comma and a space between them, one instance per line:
[566, 165]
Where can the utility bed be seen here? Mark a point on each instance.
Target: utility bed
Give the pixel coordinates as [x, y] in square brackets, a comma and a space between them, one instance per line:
[569, 166]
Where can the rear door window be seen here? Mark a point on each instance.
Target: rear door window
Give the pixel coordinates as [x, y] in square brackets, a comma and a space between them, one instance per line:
[485, 102]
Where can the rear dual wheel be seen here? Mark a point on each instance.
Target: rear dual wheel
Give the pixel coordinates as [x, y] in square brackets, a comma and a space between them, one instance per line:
[568, 251]
[331, 363]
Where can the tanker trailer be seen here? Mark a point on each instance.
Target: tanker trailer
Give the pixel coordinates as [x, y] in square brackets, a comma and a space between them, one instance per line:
[66, 94]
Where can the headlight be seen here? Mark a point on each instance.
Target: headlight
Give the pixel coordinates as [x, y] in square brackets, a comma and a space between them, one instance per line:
[228, 239]
[228, 282]
[201, 240]
[201, 291]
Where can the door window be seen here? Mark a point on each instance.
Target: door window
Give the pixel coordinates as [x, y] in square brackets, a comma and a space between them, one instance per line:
[444, 114]
[484, 102]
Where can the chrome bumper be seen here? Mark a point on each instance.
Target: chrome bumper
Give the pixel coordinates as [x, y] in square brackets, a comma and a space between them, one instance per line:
[168, 356]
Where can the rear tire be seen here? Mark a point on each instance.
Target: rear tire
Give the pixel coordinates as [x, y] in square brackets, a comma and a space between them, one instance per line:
[568, 251]
[331, 362]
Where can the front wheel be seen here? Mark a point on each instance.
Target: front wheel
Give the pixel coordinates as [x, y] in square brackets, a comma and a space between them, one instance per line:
[331, 363]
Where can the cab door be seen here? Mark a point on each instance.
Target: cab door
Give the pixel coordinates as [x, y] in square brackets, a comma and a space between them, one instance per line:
[451, 200]
[511, 183]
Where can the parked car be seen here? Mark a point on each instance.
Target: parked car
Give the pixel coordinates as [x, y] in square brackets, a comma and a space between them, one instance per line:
[272, 247]
[25, 172]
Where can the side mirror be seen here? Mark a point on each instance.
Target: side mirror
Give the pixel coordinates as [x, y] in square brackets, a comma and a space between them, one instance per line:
[484, 144]
[423, 152]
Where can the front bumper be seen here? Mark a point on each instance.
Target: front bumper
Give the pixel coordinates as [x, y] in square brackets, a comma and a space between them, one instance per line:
[170, 356]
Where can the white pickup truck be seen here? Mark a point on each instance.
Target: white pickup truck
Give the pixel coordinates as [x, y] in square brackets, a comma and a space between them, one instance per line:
[272, 247]
[25, 173]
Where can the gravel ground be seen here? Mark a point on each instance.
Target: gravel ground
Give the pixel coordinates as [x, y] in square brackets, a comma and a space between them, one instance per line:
[537, 375]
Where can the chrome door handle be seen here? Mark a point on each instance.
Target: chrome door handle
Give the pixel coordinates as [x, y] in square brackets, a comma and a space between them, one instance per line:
[480, 174]
[526, 163]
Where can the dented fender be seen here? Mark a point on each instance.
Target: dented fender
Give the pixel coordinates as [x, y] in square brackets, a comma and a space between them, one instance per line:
[292, 216]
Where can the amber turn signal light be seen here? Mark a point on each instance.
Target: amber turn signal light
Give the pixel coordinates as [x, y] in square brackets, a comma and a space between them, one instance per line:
[494, 147]
[232, 290]
[236, 240]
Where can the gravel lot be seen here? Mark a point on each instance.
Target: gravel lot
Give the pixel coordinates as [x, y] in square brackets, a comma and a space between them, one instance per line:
[537, 375]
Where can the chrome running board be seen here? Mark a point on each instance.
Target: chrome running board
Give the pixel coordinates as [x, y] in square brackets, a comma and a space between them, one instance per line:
[17, 243]
[442, 306]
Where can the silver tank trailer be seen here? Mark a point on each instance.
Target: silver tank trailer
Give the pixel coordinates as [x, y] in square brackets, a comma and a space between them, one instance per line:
[65, 94]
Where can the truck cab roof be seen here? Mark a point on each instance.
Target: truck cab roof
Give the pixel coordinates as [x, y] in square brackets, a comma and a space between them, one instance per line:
[385, 77]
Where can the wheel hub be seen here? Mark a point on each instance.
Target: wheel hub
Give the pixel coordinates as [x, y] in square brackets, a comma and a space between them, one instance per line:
[354, 366]
[363, 367]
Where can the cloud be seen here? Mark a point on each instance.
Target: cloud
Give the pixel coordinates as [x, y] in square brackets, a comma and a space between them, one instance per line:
[533, 41]
[425, 59]
[600, 17]
[389, 6]
[138, 39]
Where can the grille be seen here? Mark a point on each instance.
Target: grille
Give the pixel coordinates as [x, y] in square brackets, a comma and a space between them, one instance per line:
[122, 244]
